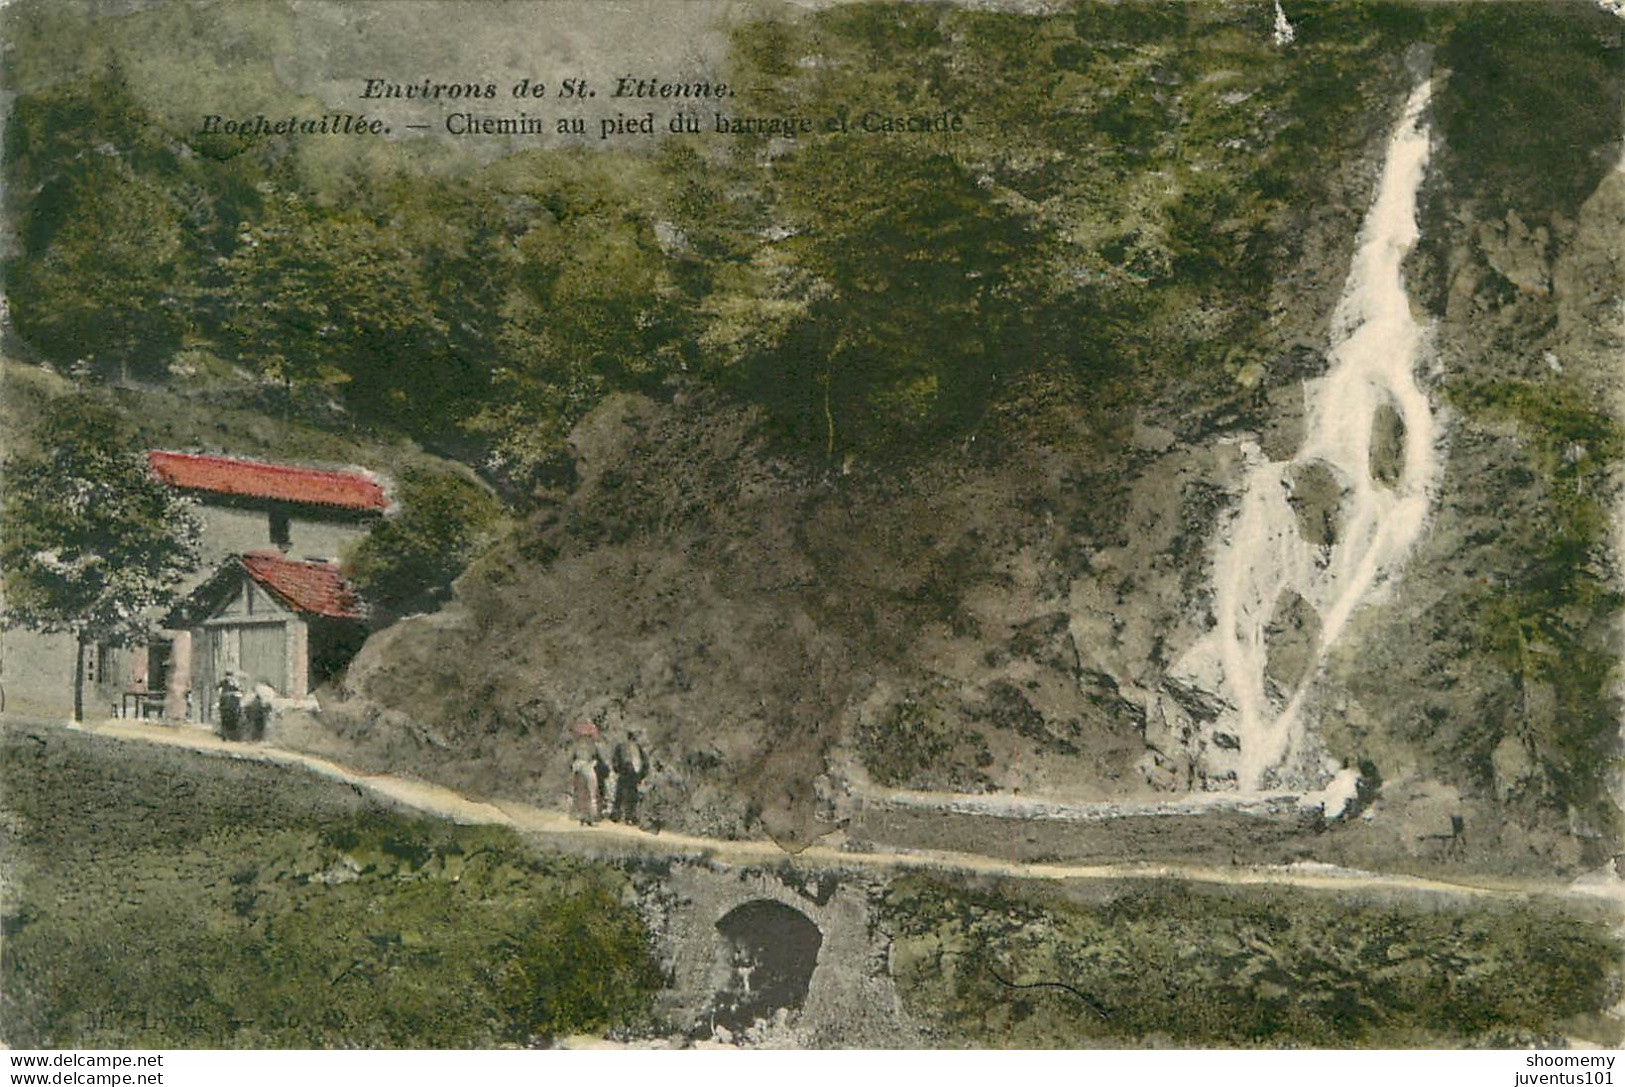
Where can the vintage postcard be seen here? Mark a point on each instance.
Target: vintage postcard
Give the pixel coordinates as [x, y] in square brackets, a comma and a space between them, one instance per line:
[743, 523]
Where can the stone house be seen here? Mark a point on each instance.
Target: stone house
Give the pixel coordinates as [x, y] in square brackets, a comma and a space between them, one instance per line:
[276, 530]
[286, 624]
[305, 513]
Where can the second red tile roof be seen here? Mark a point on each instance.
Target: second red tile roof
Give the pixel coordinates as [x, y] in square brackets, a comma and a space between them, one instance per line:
[316, 588]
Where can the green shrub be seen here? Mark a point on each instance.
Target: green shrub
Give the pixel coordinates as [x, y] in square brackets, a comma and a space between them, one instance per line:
[582, 965]
[409, 560]
[1186, 965]
[911, 745]
[178, 901]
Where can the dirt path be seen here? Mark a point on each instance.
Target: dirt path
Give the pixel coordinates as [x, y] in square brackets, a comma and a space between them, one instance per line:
[566, 831]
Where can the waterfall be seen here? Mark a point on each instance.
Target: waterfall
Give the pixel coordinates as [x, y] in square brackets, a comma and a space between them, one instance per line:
[1284, 32]
[1315, 537]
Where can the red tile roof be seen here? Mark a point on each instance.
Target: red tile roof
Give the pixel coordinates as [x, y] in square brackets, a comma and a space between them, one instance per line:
[313, 587]
[277, 482]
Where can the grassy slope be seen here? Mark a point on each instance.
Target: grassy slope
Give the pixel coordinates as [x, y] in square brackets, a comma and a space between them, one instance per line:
[158, 899]
[1167, 964]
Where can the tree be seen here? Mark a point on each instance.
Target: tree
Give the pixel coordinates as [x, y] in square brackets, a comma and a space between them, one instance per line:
[881, 310]
[588, 304]
[411, 559]
[93, 542]
[318, 298]
[108, 260]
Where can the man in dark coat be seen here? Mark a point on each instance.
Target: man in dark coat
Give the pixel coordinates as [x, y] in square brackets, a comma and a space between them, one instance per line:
[231, 706]
[631, 767]
[256, 714]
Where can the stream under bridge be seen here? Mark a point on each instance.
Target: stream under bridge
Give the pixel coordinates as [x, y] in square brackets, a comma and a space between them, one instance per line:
[783, 954]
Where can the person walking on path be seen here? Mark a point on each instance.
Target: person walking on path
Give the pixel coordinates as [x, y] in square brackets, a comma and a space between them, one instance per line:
[585, 763]
[631, 766]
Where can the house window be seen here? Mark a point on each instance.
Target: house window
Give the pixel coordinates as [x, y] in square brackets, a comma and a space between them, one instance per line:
[158, 657]
[281, 532]
[95, 663]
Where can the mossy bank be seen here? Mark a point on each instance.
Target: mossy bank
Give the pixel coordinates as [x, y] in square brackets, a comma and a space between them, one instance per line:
[155, 898]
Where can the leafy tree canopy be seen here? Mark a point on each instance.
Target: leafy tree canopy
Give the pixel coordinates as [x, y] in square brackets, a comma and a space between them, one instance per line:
[93, 542]
[410, 559]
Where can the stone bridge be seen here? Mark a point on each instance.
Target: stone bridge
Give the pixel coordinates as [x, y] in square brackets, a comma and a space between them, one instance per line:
[789, 955]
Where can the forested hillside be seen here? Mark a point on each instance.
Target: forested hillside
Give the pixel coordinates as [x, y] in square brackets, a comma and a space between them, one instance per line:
[1132, 183]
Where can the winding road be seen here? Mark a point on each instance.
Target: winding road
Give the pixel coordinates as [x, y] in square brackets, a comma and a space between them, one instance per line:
[566, 832]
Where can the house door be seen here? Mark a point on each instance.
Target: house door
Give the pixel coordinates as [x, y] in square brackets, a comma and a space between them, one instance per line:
[263, 655]
[222, 653]
[208, 667]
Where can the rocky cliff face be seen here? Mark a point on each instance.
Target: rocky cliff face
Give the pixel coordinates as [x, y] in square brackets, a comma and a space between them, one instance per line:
[1488, 669]
[763, 626]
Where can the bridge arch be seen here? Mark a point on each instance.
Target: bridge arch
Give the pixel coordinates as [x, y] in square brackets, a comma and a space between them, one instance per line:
[785, 955]
[766, 954]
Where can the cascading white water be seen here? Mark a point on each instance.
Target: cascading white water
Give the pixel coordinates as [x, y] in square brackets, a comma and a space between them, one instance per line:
[1266, 553]
[1284, 32]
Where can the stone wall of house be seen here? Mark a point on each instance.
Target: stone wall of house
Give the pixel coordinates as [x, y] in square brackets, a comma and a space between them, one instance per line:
[315, 540]
[36, 672]
[234, 530]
